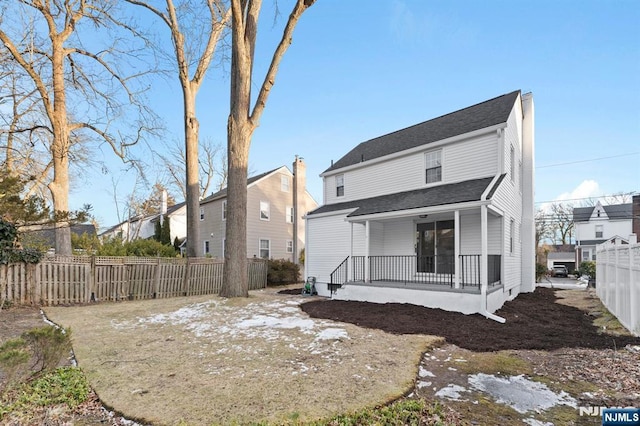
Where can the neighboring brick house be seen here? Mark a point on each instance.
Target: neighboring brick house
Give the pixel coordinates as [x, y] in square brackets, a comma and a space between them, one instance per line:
[438, 214]
[599, 224]
[275, 226]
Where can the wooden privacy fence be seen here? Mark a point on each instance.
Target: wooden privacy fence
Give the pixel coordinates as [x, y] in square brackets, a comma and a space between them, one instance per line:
[84, 279]
[618, 282]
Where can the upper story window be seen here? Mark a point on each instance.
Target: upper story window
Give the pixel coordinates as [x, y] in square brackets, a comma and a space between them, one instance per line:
[512, 163]
[284, 183]
[201, 213]
[265, 210]
[433, 165]
[289, 214]
[289, 246]
[206, 247]
[340, 186]
[224, 210]
[599, 231]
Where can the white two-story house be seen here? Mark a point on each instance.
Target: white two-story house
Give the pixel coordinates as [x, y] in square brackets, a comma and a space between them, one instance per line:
[438, 214]
[599, 224]
[277, 201]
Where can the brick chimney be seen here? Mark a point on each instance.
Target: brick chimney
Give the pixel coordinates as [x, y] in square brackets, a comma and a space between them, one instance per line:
[635, 213]
[299, 188]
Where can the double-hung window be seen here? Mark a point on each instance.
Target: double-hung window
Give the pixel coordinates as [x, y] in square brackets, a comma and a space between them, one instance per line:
[289, 215]
[201, 213]
[224, 210]
[433, 165]
[289, 246]
[599, 231]
[340, 186]
[265, 210]
[206, 247]
[512, 165]
[284, 183]
[264, 249]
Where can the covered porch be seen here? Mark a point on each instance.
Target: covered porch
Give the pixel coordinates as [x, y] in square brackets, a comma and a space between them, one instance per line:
[447, 256]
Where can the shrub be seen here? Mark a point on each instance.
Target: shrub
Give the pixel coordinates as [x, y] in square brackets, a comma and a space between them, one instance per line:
[281, 271]
[140, 247]
[13, 359]
[541, 270]
[588, 268]
[48, 345]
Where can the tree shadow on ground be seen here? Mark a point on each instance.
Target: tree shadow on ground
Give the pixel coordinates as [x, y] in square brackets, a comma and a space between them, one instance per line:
[534, 321]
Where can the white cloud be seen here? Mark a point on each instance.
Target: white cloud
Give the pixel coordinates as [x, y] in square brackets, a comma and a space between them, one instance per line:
[587, 189]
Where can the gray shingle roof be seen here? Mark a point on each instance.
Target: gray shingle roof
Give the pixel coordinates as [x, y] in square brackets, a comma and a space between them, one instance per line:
[613, 211]
[47, 233]
[452, 193]
[479, 116]
[223, 192]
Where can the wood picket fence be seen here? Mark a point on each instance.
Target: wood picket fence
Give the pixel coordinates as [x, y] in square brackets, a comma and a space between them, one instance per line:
[67, 280]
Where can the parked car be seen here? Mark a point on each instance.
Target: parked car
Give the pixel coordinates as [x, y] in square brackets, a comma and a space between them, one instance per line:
[560, 271]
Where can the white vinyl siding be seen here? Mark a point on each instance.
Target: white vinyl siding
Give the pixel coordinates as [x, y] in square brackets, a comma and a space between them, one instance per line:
[512, 163]
[465, 160]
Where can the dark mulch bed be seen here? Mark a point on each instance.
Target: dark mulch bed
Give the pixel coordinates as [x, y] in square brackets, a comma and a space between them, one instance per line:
[534, 321]
[291, 291]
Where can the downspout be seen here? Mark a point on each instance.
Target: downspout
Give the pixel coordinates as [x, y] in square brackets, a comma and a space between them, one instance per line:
[484, 278]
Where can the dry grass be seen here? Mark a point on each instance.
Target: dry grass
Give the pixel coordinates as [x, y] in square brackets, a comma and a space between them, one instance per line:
[208, 360]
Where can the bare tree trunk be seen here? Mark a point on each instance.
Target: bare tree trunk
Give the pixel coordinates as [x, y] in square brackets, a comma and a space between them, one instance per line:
[193, 180]
[59, 186]
[243, 120]
[235, 255]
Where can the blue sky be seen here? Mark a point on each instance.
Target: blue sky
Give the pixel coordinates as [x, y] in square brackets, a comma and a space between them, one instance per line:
[359, 69]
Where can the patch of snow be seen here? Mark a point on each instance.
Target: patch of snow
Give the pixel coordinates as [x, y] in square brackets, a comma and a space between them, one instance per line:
[423, 372]
[460, 360]
[424, 384]
[268, 321]
[520, 393]
[332, 334]
[534, 422]
[452, 369]
[451, 392]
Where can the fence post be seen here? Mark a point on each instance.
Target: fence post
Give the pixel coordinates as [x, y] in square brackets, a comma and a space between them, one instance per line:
[32, 297]
[156, 283]
[634, 317]
[187, 273]
[92, 279]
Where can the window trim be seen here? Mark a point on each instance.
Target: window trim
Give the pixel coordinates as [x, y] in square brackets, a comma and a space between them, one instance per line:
[601, 232]
[224, 210]
[512, 227]
[339, 188]
[201, 213]
[289, 246]
[224, 246]
[284, 188]
[512, 165]
[426, 168]
[267, 210]
[289, 214]
[260, 240]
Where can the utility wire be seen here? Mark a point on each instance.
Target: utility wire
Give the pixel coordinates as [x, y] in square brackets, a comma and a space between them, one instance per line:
[586, 161]
[595, 197]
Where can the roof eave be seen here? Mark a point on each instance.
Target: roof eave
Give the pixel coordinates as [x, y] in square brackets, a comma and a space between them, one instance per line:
[399, 214]
[431, 145]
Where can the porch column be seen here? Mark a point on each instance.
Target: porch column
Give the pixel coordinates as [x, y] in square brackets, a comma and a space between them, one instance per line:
[367, 264]
[351, 240]
[484, 248]
[456, 249]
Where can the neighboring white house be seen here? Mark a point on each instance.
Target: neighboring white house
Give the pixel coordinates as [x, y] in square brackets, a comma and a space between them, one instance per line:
[144, 226]
[438, 214]
[276, 204]
[599, 224]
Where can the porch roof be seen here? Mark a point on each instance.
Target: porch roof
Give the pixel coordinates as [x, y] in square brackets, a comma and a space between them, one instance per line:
[453, 193]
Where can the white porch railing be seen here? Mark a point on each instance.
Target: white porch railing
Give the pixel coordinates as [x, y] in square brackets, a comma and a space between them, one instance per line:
[618, 282]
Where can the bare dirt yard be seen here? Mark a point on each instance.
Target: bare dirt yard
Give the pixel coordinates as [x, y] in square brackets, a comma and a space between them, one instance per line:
[285, 358]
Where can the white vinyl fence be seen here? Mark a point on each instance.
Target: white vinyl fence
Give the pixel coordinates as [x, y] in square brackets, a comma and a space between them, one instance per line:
[618, 282]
